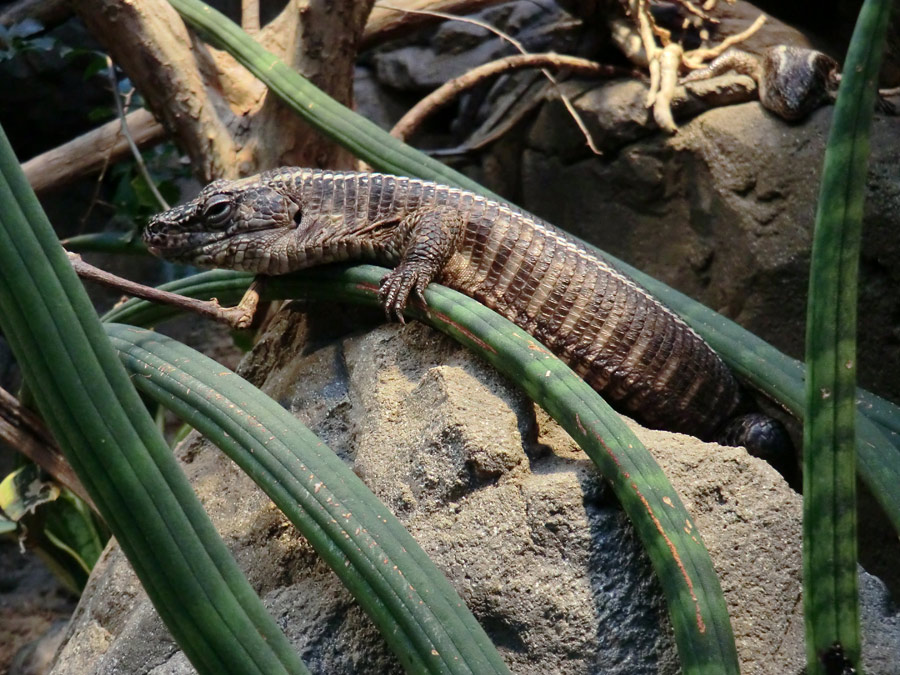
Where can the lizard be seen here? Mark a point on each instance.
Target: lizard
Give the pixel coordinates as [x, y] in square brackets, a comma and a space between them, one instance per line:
[792, 81]
[624, 343]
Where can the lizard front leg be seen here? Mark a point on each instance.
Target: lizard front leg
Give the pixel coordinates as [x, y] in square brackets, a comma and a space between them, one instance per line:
[427, 240]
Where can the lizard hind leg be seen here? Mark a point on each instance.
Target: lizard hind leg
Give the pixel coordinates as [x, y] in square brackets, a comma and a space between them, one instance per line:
[766, 438]
[428, 239]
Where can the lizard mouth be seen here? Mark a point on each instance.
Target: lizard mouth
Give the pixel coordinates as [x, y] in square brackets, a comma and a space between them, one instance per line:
[181, 248]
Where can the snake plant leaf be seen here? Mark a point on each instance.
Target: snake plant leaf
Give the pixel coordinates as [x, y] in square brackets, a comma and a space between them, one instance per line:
[416, 609]
[767, 369]
[359, 135]
[105, 242]
[104, 430]
[830, 594]
[783, 379]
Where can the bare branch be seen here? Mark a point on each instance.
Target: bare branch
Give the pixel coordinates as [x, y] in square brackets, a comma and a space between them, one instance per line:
[696, 57]
[24, 432]
[444, 94]
[90, 151]
[320, 41]
[518, 45]
[401, 18]
[250, 16]
[136, 154]
[236, 317]
[48, 12]
[150, 42]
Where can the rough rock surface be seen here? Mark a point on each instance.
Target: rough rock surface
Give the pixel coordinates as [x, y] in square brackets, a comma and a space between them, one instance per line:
[32, 604]
[502, 500]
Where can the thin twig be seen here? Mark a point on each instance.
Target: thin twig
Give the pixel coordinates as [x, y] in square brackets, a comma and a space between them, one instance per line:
[412, 120]
[142, 168]
[518, 45]
[91, 150]
[664, 62]
[95, 194]
[387, 24]
[23, 431]
[250, 16]
[696, 11]
[211, 309]
[98, 183]
[695, 58]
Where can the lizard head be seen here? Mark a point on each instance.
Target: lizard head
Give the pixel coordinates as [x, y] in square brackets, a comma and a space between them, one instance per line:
[240, 225]
[795, 81]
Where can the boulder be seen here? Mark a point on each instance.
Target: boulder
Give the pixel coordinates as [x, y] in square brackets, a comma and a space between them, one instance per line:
[501, 499]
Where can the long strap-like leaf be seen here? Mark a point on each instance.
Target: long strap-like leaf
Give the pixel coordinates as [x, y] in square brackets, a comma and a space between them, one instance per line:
[359, 135]
[102, 426]
[769, 370]
[695, 602]
[784, 378]
[416, 609]
[829, 440]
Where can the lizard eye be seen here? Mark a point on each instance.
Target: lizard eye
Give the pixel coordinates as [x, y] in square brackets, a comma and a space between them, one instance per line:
[217, 210]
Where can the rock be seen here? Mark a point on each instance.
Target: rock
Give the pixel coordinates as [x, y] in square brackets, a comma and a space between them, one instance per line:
[880, 620]
[33, 604]
[500, 498]
[723, 210]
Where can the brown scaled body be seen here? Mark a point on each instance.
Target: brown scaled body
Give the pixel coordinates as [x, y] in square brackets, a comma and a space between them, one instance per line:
[634, 351]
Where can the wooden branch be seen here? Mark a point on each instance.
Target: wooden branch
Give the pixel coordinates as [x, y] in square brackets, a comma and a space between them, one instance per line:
[451, 89]
[250, 16]
[386, 24]
[319, 40]
[24, 432]
[48, 12]
[126, 132]
[175, 75]
[89, 152]
[239, 316]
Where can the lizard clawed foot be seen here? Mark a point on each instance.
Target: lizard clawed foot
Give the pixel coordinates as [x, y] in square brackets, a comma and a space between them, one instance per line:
[397, 285]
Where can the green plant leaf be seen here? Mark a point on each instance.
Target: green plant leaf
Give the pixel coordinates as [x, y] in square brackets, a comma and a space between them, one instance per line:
[751, 357]
[702, 627]
[100, 423]
[830, 578]
[880, 464]
[416, 609]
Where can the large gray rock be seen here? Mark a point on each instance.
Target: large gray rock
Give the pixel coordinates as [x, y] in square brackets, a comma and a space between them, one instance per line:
[500, 498]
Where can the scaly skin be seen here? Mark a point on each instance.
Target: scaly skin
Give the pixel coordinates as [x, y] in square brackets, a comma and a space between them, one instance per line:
[792, 81]
[634, 351]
